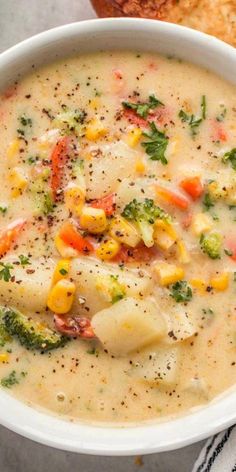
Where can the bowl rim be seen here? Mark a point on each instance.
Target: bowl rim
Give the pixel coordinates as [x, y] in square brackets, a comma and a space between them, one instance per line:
[108, 439]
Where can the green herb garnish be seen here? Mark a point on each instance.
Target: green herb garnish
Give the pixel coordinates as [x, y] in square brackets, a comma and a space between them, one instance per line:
[3, 210]
[143, 108]
[192, 120]
[5, 273]
[181, 291]
[208, 202]
[231, 157]
[10, 380]
[24, 121]
[24, 260]
[157, 144]
[63, 271]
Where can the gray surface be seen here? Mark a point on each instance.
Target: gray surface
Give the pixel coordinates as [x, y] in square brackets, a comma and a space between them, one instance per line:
[20, 19]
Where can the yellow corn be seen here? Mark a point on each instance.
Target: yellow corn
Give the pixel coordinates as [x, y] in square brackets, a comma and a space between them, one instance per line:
[61, 270]
[108, 250]
[18, 181]
[183, 255]
[199, 285]
[93, 219]
[164, 235]
[95, 103]
[95, 130]
[201, 224]
[140, 166]
[61, 297]
[74, 199]
[220, 282]
[64, 250]
[168, 273]
[133, 137]
[13, 148]
[124, 232]
[4, 357]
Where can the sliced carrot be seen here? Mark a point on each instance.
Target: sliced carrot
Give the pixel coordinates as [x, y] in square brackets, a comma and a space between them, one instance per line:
[218, 133]
[58, 160]
[9, 235]
[73, 238]
[172, 198]
[193, 187]
[133, 118]
[107, 204]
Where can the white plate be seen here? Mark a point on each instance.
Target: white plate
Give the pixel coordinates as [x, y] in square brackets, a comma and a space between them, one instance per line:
[141, 35]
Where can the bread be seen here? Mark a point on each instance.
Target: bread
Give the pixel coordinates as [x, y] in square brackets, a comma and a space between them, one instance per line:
[215, 17]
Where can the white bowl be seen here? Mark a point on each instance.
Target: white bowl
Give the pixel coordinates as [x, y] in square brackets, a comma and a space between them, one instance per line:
[83, 37]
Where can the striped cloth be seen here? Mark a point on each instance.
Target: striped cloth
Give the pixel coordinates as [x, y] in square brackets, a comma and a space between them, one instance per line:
[219, 453]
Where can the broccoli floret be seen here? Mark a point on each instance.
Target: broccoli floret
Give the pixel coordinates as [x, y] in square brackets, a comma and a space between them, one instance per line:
[30, 333]
[145, 214]
[111, 288]
[211, 245]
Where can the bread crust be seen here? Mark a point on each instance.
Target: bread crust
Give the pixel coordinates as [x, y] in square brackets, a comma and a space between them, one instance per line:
[215, 17]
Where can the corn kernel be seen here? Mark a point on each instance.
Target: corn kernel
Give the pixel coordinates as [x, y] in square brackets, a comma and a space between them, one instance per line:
[168, 273]
[108, 250]
[95, 130]
[164, 235]
[95, 103]
[61, 270]
[64, 250]
[201, 224]
[140, 166]
[74, 199]
[133, 137]
[18, 182]
[61, 297]
[221, 282]
[199, 284]
[124, 232]
[183, 255]
[93, 219]
[4, 357]
[13, 148]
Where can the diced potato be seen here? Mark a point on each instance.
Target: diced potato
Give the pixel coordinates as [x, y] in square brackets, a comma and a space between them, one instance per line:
[108, 249]
[201, 224]
[31, 293]
[64, 250]
[114, 162]
[128, 325]
[18, 181]
[221, 282]
[128, 189]
[93, 219]
[95, 130]
[161, 367]
[74, 198]
[61, 296]
[124, 232]
[168, 273]
[180, 325]
[133, 137]
[61, 270]
[86, 271]
[197, 386]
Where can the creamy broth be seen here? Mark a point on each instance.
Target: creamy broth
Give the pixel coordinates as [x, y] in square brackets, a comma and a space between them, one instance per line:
[154, 288]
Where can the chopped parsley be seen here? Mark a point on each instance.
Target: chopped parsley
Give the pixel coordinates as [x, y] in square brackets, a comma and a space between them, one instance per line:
[5, 273]
[221, 115]
[143, 108]
[63, 271]
[48, 205]
[24, 121]
[33, 159]
[181, 291]
[24, 260]
[10, 380]
[157, 144]
[192, 120]
[207, 202]
[3, 210]
[231, 157]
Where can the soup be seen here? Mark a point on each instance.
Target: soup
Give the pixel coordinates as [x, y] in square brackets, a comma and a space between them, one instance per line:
[117, 241]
